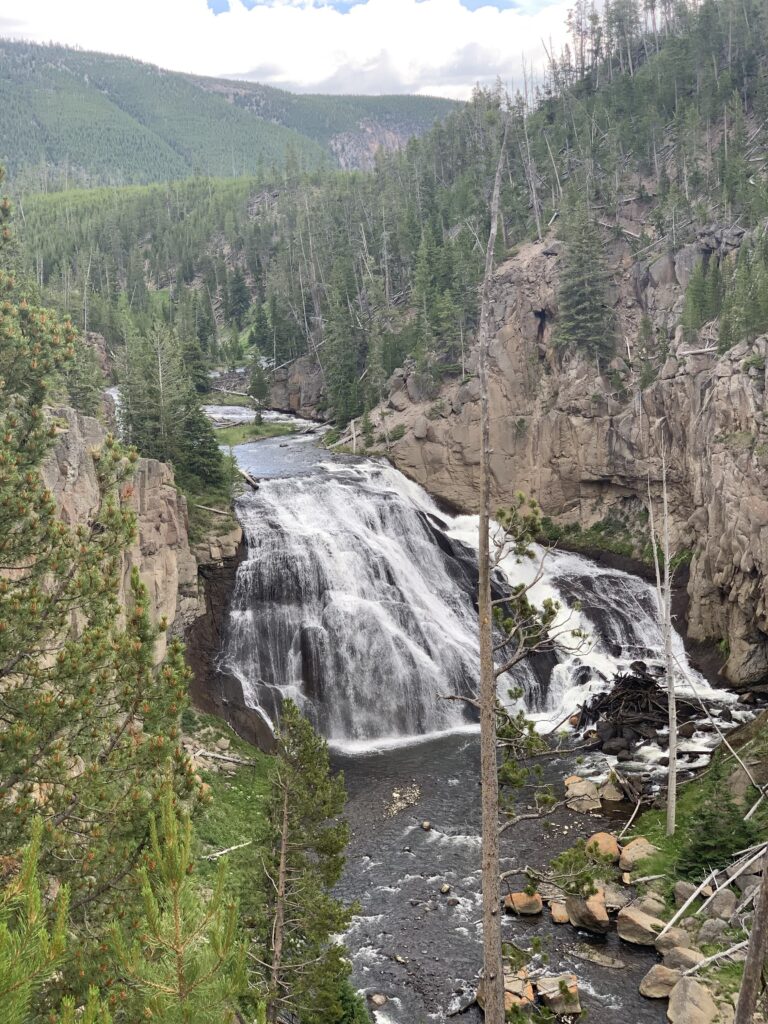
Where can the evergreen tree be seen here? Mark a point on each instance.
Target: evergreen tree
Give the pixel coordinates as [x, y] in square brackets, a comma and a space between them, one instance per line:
[195, 364]
[31, 949]
[301, 966]
[89, 717]
[93, 1012]
[584, 320]
[182, 960]
[160, 411]
[260, 335]
[84, 380]
[258, 386]
[238, 297]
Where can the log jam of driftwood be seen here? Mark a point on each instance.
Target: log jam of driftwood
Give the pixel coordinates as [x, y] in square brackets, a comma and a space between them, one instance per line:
[635, 708]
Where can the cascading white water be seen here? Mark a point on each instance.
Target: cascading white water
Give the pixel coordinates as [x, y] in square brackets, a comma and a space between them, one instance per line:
[357, 600]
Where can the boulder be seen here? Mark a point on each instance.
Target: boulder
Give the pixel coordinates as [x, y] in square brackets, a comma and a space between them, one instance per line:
[745, 883]
[682, 959]
[712, 930]
[691, 1003]
[590, 914]
[650, 905]
[377, 1000]
[616, 897]
[523, 903]
[518, 991]
[581, 795]
[639, 928]
[671, 938]
[634, 852]
[426, 826]
[560, 994]
[421, 428]
[659, 982]
[605, 845]
[683, 892]
[615, 745]
[399, 401]
[612, 793]
[559, 913]
[722, 905]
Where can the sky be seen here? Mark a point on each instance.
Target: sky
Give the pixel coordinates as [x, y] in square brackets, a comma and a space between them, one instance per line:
[434, 47]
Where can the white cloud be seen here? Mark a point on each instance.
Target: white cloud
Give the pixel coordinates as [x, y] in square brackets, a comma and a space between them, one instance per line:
[427, 46]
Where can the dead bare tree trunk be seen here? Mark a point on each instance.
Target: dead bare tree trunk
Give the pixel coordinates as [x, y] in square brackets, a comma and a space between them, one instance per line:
[664, 599]
[493, 973]
[278, 927]
[757, 953]
[668, 657]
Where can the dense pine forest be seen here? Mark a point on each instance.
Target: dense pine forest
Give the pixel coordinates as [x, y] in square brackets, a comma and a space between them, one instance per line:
[221, 234]
[69, 117]
[666, 107]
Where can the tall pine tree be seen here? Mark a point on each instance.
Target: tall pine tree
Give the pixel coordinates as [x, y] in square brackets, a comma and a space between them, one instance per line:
[182, 961]
[300, 966]
[585, 322]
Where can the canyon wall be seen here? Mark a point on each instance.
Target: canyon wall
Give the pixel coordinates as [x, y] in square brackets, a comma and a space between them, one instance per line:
[587, 441]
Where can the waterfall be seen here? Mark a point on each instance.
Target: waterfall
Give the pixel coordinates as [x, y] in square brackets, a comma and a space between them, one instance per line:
[357, 600]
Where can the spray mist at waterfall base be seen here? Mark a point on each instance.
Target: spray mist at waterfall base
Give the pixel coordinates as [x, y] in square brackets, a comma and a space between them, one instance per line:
[357, 600]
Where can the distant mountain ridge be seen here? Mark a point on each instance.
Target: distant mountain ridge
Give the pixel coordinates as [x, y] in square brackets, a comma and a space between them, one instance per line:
[73, 117]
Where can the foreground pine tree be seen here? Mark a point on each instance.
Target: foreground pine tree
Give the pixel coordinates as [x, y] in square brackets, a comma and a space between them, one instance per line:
[89, 719]
[298, 964]
[182, 961]
[31, 947]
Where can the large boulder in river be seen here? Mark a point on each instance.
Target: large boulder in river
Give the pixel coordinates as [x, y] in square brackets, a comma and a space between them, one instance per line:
[581, 795]
[659, 982]
[691, 1003]
[560, 994]
[639, 849]
[636, 927]
[590, 914]
[523, 903]
[671, 938]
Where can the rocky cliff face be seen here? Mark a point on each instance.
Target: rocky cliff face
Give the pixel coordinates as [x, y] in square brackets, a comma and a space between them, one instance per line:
[189, 586]
[357, 149]
[587, 443]
[299, 388]
[161, 551]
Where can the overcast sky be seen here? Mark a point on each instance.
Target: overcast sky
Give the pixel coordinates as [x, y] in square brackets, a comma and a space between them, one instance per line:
[440, 47]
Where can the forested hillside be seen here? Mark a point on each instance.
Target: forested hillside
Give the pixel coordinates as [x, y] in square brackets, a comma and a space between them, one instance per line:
[78, 118]
[661, 108]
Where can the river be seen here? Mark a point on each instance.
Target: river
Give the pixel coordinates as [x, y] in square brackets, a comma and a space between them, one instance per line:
[356, 600]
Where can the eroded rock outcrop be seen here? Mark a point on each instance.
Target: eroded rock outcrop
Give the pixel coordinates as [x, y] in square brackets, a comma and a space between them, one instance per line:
[299, 388]
[585, 440]
[161, 550]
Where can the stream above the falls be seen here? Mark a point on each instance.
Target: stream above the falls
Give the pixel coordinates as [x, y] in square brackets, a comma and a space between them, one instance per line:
[356, 599]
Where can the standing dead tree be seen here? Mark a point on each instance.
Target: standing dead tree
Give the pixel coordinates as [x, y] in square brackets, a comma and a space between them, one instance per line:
[493, 973]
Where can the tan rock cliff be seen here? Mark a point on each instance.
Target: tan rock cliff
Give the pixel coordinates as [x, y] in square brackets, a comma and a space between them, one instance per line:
[161, 551]
[585, 443]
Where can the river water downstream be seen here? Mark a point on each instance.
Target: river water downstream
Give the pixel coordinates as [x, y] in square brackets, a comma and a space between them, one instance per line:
[356, 599]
